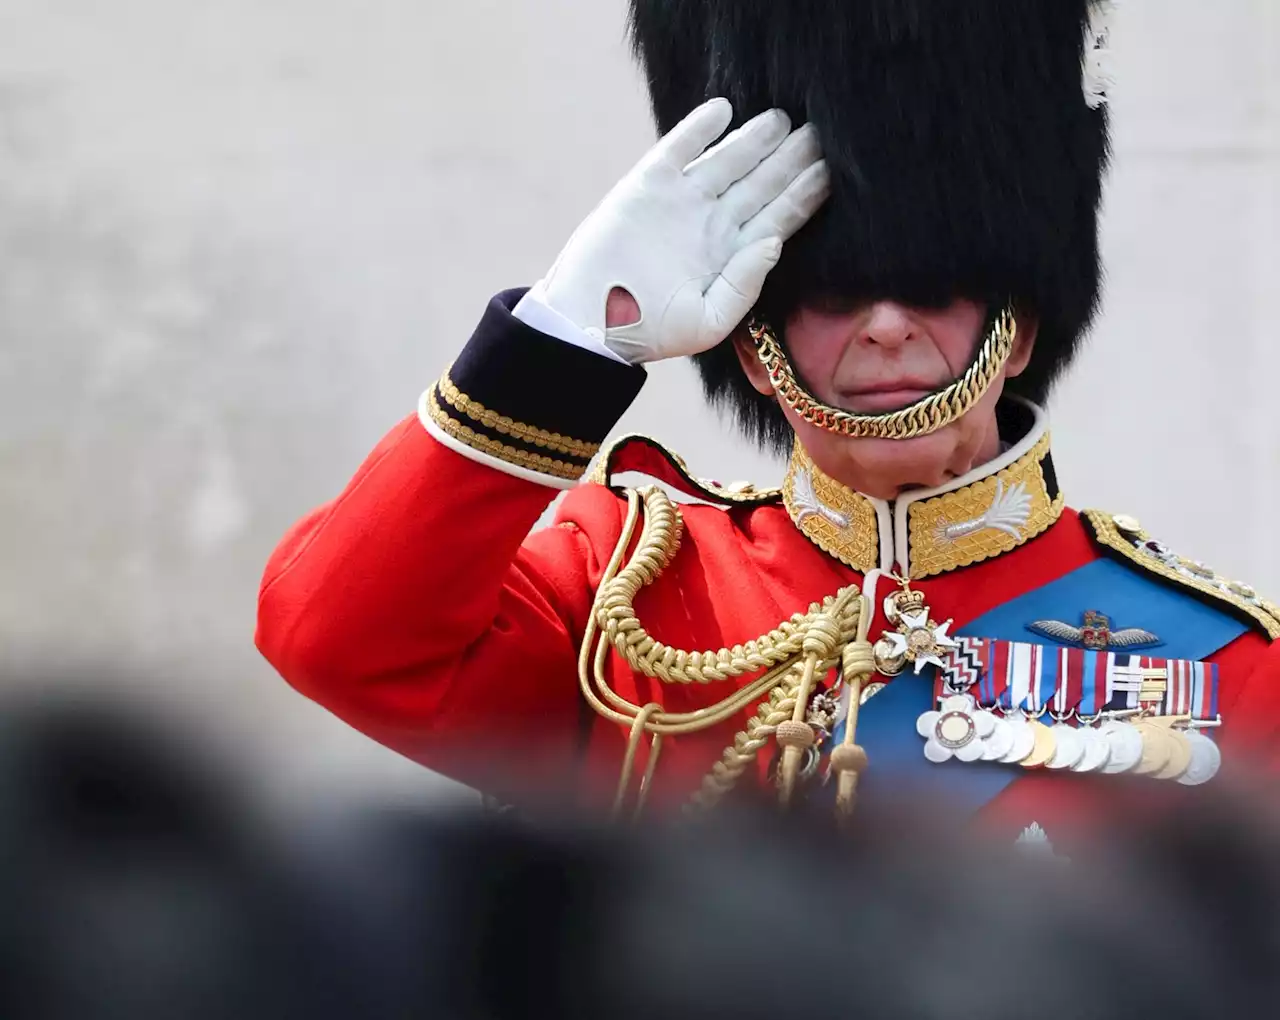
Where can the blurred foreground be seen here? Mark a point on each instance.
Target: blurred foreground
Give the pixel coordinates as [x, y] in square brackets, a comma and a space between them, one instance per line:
[138, 883]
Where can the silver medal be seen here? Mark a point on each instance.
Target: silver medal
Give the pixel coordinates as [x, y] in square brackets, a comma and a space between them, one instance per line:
[1125, 742]
[1000, 742]
[1206, 759]
[1024, 740]
[1070, 746]
[1097, 752]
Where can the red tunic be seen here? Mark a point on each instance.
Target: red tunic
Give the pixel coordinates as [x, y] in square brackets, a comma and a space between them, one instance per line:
[418, 608]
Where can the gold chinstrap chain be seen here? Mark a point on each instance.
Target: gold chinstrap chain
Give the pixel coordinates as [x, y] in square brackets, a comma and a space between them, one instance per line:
[926, 415]
[790, 659]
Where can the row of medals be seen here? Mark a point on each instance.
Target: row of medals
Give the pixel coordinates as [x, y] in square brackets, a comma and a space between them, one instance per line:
[1137, 741]
[1145, 745]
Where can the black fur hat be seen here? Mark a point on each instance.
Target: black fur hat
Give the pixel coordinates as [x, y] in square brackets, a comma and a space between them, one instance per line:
[967, 157]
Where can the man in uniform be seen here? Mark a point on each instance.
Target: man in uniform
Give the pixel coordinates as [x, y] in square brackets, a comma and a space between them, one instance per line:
[881, 269]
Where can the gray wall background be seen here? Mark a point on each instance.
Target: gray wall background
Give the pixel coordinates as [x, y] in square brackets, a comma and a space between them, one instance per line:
[238, 239]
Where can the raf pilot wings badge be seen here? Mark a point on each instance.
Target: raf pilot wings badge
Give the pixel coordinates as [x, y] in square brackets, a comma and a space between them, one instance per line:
[1095, 633]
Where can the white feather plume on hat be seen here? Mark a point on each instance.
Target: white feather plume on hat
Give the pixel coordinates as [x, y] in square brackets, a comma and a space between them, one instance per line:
[1099, 65]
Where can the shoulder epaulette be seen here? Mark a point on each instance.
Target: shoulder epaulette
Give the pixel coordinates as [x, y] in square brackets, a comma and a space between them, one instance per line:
[1124, 539]
[646, 456]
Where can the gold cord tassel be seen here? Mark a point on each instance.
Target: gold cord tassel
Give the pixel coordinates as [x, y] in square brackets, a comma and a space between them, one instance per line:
[796, 736]
[849, 760]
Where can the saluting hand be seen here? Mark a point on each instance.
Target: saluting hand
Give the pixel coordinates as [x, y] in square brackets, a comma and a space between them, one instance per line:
[690, 234]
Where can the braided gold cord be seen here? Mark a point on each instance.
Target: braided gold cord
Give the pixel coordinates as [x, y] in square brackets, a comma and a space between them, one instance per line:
[926, 415]
[786, 679]
[510, 454]
[615, 614]
[748, 743]
[673, 723]
[509, 426]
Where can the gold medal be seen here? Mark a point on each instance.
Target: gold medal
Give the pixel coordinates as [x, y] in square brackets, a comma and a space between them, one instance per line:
[1045, 746]
[1175, 742]
[1179, 757]
[1156, 748]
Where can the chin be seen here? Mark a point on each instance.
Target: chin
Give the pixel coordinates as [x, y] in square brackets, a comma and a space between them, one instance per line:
[884, 468]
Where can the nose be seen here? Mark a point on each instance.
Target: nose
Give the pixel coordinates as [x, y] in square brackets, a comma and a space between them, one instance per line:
[888, 324]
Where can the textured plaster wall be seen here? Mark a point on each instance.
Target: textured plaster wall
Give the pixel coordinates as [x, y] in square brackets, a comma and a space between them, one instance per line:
[237, 239]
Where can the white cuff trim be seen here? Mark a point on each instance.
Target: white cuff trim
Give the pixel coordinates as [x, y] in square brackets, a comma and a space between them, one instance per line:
[546, 319]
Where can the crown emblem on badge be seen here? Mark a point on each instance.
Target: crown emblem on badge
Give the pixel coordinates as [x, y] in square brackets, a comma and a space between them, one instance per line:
[906, 600]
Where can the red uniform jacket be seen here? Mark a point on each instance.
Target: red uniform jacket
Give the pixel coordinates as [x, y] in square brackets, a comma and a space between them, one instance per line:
[418, 607]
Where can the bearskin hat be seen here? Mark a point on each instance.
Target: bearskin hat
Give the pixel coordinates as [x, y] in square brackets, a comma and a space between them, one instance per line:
[967, 141]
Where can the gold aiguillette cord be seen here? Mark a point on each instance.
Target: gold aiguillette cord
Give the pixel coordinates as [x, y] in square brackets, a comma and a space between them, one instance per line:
[789, 659]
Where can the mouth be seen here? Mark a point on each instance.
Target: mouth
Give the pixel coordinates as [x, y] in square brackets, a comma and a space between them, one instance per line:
[887, 397]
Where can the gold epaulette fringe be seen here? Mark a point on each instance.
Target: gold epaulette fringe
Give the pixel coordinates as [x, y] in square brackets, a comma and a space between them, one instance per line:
[1124, 536]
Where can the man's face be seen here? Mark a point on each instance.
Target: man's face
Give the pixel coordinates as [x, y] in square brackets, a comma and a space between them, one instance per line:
[880, 356]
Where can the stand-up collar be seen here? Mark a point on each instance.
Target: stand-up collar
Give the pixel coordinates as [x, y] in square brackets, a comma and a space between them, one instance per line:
[988, 512]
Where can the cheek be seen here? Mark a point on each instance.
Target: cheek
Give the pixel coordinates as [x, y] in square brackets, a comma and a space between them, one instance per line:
[815, 349]
[957, 334]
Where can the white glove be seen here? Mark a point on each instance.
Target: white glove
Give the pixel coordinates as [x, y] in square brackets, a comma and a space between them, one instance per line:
[690, 234]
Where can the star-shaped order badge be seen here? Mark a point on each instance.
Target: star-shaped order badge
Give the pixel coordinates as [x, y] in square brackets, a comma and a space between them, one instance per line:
[918, 641]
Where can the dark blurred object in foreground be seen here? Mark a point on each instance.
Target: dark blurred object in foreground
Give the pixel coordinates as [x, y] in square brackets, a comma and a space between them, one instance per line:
[129, 887]
[134, 886]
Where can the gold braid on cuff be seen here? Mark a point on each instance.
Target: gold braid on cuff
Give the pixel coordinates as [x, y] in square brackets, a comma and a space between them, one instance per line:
[926, 415]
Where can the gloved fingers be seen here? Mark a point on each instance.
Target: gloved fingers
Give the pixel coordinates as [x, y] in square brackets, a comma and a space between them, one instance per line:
[771, 178]
[793, 208]
[718, 169]
[732, 294]
[689, 139]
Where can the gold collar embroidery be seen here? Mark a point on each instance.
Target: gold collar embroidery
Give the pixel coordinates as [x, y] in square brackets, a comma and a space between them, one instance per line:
[988, 512]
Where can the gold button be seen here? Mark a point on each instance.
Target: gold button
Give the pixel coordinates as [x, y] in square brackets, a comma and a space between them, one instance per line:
[887, 663]
[1129, 525]
[740, 487]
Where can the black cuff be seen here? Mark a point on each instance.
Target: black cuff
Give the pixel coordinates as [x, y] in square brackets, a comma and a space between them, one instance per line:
[529, 399]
